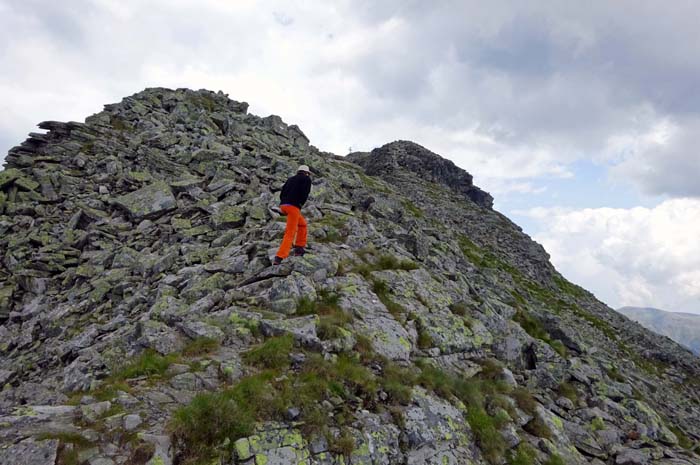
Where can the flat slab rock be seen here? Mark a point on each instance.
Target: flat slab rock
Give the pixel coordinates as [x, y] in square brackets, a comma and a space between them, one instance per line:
[148, 202]
[30, 452]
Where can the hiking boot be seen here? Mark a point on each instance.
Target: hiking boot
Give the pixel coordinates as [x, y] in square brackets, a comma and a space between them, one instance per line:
[299, 251]
[277, 260]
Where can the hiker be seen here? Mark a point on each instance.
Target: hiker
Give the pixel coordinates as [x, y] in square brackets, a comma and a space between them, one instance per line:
[292, 197]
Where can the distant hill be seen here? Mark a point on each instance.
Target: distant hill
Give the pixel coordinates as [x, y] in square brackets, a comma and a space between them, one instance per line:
[683, 328]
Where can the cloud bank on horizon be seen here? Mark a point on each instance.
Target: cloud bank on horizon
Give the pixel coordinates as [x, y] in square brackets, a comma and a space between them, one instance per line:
[532, 98]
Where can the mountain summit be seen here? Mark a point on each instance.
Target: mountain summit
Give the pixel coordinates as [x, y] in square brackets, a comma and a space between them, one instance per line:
[141, 321]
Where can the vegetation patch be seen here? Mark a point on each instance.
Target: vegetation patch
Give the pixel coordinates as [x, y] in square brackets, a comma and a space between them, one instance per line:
[412, 209]
[569, 391]
[380, 288]
[344, 444]
[538, 427]
[476, 393]
[70, 446]
[597, 424]
[524, 454]
[555, 459]
[200, 346]
[333, 319]
[614, 374]
[273, 353]
[484, 258]
[534, 327]
[683, 440]
[335, 227]
[459, 309]
[212, 420]
[371, 263]
[526, 402]
[150, 363]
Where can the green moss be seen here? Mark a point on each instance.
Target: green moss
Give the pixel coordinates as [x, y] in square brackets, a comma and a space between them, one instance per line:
[475, 393]
[68, 455]
[335, 227]
[597, 424]
[390, 262]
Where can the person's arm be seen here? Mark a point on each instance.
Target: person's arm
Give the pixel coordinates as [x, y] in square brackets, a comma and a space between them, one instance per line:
[305, 191]
[283, 192]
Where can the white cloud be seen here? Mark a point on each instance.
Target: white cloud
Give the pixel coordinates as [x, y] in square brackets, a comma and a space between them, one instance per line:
[511, 93]
[638, 256]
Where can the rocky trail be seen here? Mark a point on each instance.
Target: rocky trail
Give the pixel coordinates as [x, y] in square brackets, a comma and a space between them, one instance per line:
[141, 321]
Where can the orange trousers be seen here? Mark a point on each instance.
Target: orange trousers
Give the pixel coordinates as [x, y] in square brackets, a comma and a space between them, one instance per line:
[296, 227]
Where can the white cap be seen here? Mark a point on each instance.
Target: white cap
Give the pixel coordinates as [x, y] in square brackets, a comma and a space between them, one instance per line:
[303, 168]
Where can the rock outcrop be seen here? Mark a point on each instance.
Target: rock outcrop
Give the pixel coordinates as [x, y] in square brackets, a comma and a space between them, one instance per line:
[141, 320]
[423, 163]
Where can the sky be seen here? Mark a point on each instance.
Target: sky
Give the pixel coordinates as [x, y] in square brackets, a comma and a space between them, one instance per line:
[581, 118]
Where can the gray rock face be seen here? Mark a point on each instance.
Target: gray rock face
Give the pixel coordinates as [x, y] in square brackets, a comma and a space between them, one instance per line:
[30, 452]
[136, 277]
[148, 202]
[423, 163]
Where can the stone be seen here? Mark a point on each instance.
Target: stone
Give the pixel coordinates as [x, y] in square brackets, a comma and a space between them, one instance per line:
[131, 422]
[302, 328]
[200, 329]
[628, 456]
[148, 202]
[93, 412]
[30, 452]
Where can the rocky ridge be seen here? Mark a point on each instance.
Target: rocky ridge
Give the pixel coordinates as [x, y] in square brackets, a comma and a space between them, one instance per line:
[141, 321]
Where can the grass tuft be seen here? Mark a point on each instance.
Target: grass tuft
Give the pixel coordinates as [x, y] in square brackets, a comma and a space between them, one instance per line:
[555, 459]
[523, 455]
[150, 363]
[273, 353]
[200, 346]
[538, 427]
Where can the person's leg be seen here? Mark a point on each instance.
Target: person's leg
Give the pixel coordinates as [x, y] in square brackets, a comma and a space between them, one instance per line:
[301, 232]
[290, 230]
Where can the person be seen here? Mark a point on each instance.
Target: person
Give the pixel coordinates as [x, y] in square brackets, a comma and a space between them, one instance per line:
[292, 197]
